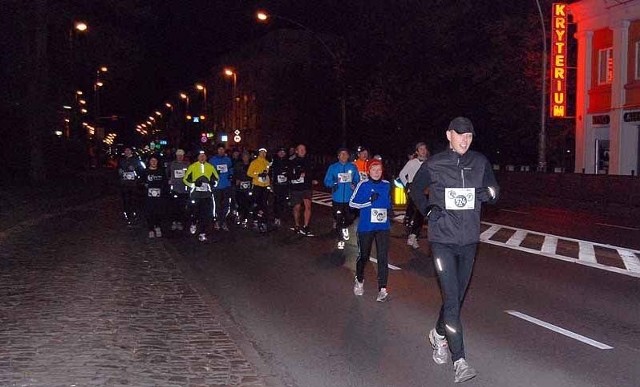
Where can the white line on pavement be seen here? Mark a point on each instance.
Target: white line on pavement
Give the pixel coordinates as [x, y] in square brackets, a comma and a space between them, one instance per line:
[557, 329]
[372, 259]
[514, 211]
[616, 226]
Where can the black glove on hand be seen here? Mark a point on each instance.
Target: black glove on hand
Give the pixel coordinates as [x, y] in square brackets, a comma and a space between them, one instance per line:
[433, 212]
[262, 175]
[198, 183]
[484, 194]
[374, 196]
[334, 188]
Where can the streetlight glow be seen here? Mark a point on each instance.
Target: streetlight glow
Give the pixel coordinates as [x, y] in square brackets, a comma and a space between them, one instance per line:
[228, 72]
[168, 105]
[99, 83]
[262, 16]
[158, 114]
[104, 69]
[183, 96]
[199, 87]
[81, 26]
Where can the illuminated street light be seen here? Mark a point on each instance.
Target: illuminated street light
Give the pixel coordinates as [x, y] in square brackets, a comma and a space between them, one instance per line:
[229, 72]
[152, 118]
[167, 104]
[79, 92]
[82, 102]
[158, 113]
[81, 26]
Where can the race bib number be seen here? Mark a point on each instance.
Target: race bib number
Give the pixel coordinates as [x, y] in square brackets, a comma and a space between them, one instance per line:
[378, 215]
[205, 187]
[262, 179]
[281, 179]
[345, 177]
[178, 173]
[245, 184]
[459, 198]
[222, 168]
[299, 180]
[129, 176]
[154, 192]
[363, 176]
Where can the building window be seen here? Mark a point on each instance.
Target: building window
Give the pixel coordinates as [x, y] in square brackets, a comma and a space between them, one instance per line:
[605, 66]
[638, 60]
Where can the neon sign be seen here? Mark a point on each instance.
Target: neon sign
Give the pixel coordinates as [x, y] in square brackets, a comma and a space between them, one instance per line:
[558, 87]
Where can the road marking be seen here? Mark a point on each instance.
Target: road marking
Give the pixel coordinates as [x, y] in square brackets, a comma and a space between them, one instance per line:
[557, 329]
[514, 211]
[517, 238]
[616, 226]
[390, 266]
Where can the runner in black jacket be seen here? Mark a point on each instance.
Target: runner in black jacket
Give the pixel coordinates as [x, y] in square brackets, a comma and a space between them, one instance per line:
[458, 181]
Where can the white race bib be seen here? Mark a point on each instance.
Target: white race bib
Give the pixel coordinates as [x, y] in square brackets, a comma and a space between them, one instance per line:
[179, 173]
[154, 192]
[129, 176]
[299, 180]
[281, 179]
[203, 188]
[345, 177]
[222, 168]
[363, 176]
[459, 198]
[378, 215]
[245, 184]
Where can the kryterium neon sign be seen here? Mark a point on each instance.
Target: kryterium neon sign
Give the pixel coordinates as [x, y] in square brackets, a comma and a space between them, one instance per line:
[558, 87]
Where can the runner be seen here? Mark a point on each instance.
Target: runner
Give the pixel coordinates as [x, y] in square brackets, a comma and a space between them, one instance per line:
[373, 198]
[342, 177]
[222, 191]
[155, 184]
[130, 169]
[280, 170]
[301, 190]
[259, 172]
[201, 177]
[178, 191]
[416, 221]
[243, 189]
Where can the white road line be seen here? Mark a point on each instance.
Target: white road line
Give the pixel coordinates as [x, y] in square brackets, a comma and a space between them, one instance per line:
[631, 261]
[550, 244]
[616, 226]
[586, 252]
[488, 233]
[557, 329]
[517, 238]
[514, 211]
[392, 267]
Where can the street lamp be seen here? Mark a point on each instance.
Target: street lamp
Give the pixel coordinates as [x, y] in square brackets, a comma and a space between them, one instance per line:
[231, 73]
[264, 17]
[186, 98]
[542, 158]
[96, 89]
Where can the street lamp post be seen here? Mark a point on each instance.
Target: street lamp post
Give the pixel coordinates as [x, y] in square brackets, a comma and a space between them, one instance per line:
[96, 88]
[263, 16]
[234, 91]
[203, 89]
[78, 28]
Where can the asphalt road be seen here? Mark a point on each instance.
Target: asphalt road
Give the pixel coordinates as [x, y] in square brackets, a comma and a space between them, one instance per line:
[292, 297]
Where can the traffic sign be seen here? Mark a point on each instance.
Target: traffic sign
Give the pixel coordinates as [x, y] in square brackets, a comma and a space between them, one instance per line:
[237, 138]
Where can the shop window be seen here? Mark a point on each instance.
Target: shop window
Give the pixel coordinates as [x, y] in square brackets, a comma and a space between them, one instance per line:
[605, 66]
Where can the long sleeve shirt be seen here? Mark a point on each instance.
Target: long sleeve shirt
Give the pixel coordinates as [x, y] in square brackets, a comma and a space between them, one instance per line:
[374, 214]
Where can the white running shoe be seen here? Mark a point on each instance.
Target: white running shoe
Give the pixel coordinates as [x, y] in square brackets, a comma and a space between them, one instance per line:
[382, 295]
[340, 245]
[413, 241]
[158, 232]
[202, 237]
[277, 222]
[345, 234]
[193, 229]
[152, 234]
[463, 371]
[358, 288]
[174, 226]
[440, 347]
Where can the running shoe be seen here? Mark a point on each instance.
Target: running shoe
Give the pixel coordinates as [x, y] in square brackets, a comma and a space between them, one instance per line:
[340, 245]
[345, 234]
[382, 295]
[463, 371]
[358, 288]
[158, 232]
[305, 231]
[413, 241]
[152, 234]
[440, 347]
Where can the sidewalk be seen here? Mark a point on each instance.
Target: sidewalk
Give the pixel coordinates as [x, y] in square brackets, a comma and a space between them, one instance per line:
[87, 302]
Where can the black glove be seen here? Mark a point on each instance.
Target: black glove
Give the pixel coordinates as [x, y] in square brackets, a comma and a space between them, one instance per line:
[374, 196]
[262, 175]
[433, 212]
[334, 188]
[198, 183]
[485, 194]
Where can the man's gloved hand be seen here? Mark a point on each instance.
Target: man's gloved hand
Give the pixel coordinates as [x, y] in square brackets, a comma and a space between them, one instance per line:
[433, 212]
[485, 194]
[198, 183]
[263, 174]
[374, 196]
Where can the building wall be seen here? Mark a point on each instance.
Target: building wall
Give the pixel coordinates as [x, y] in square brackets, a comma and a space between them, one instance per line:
[607, 115]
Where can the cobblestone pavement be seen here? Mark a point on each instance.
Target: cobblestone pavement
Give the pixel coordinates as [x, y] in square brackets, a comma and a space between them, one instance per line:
[86, 302]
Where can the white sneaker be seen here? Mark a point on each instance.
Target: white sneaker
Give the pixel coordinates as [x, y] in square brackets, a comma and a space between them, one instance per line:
[193, 229]
[158, 232]
[413, 241]
[152, 234]
[340, 245]
[382, 295]
[277, 222]
[345, 234]
[358, 288]
[202, 237]
[440, 347]
[174, 226]
[463, 371]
